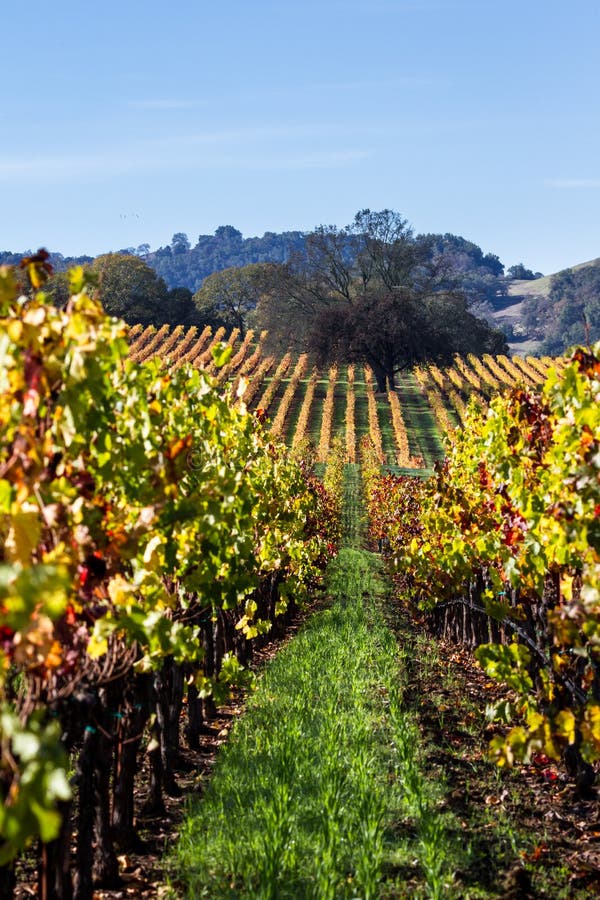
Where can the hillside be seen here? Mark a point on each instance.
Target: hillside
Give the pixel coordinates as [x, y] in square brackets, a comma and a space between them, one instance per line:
[540, 287]
[541, 322]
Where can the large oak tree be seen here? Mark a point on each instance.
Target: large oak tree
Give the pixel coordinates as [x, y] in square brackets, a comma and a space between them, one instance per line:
[372, 292]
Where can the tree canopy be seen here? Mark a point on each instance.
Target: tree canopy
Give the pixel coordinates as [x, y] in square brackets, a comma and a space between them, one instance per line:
[520, 272]
[373, 292]
[130, 288]
[229, 296]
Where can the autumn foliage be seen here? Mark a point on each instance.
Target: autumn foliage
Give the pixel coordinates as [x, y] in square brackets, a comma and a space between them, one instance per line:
[149, 530]
[510, 526]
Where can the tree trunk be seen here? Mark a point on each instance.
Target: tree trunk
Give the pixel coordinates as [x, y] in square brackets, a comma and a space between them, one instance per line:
[194, 719]
[85, 819]
[123, 809]
[7, 881]
[106, 866]
[54, 868]
[382, 375]
[169, 699]
[155, 805]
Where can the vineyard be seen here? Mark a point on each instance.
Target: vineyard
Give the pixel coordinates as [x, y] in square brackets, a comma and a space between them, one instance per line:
[306, 404]
[175, 501]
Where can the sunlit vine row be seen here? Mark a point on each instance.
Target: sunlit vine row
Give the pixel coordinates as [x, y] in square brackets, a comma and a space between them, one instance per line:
[142, 517]
[467, 373]
[510, 526]
[193, 345]
[205, 358]
[374, 429]
[484, 374]
[271, 389]
[403, 455]
[519, 374]
[327, 415]
[350, 416]
[301, 430]
[253, 383]
[151, 348]
[503, 376]
[141, 338]
[435, 400]
[237, 360]
[279, 420]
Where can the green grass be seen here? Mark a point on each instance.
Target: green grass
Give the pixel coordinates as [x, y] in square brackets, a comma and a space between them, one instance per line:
[319, 791]
[388, 440]
[356, 770]
[423, 434]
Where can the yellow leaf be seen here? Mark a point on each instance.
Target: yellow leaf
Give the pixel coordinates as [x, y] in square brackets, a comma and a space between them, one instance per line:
[97, 646]
[24, 535]
[590, 727]
[120, 590]
[566, 587]
[15, 330]
[150, 554]
[565, 725]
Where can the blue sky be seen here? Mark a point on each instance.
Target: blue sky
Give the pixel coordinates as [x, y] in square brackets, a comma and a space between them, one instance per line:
[124, 122]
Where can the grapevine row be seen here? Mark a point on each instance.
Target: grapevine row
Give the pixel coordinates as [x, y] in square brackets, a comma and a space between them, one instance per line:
[150, 531]
[504, 544]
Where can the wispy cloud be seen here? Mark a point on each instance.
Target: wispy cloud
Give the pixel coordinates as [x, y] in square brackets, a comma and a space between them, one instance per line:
[371, 7]
[325, 160]
[573, 183]
[162, 104]
[257, 149]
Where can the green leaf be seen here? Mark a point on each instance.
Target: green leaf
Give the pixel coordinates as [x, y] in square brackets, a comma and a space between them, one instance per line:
[221, 354]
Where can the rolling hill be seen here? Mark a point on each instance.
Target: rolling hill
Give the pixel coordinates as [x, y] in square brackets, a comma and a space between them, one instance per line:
[513, 315]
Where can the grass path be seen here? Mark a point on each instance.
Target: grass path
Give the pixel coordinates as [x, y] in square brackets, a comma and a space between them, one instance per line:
[423, 434]
[357, 769]
[312, 795]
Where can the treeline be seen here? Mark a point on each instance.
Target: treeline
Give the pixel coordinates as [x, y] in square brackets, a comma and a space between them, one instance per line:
[183, 265]
[370, 292]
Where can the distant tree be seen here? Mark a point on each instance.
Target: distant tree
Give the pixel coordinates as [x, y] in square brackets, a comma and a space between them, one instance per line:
[180, 243]
[228, 233]
[477, 275]
[520, 273]
[179, 308]
[393, 331]
[130, 288]
[372, 292]
[57, 287]
[228, 297]
[8, 258]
